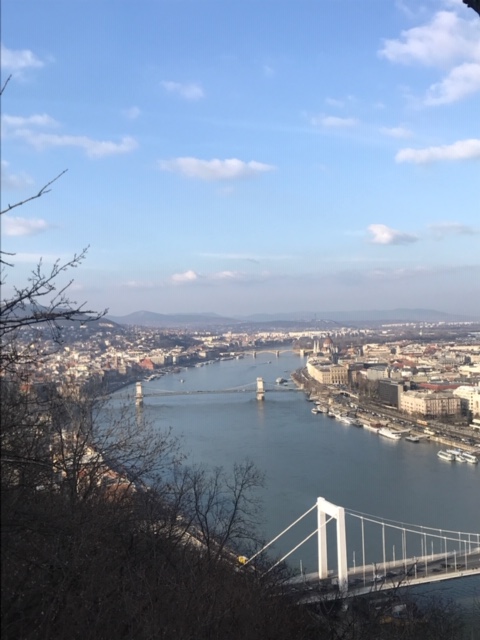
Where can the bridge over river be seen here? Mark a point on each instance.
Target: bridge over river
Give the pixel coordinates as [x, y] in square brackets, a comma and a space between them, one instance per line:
[259, 387]
[458, 557]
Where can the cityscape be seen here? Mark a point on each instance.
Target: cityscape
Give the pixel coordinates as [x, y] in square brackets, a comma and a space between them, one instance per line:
[240, 320]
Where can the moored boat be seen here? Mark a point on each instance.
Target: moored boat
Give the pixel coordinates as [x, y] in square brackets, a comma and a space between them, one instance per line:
[445, 455]
[388, 433]
[457, 454]
[469, 457]
[411, 438]
[371, 427]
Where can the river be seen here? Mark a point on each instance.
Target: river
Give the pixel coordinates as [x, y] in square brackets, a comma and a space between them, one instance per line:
[304, 456]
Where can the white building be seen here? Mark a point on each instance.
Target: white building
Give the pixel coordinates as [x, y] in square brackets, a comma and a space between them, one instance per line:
[471, 397]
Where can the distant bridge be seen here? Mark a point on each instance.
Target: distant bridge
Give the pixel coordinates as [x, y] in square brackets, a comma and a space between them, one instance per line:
[275, 352]
[259, 387]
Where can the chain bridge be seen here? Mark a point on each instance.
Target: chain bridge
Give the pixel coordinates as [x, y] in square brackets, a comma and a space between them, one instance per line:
[259, 387]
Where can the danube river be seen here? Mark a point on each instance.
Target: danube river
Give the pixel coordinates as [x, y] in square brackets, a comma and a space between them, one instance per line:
[304, 456]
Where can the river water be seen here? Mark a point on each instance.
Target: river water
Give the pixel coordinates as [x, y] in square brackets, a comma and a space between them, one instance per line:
[304, 456]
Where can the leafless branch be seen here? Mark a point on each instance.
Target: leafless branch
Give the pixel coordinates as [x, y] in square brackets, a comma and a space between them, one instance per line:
[5, 84]
[45, 189]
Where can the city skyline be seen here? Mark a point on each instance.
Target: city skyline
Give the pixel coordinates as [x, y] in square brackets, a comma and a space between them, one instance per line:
[246, 157]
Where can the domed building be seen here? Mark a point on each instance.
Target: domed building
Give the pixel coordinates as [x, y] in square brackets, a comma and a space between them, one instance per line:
[328, 345]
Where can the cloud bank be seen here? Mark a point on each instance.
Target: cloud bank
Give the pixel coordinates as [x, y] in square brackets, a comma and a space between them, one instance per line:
[213, 170]
[460, 150]
[449, 43]
[441, 230]
[381, 234]
[16, 226]
[190, 91]
[19, 59]
[333, 122]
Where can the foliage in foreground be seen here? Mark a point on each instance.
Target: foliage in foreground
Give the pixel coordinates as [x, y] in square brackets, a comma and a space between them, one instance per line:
[89, 550]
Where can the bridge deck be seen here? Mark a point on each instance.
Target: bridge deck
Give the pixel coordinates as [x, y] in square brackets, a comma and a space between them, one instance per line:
[362, 580]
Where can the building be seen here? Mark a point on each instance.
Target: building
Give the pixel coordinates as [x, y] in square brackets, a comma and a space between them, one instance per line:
[329, 374]
[430, 405]
[390, 392]
[470, 398]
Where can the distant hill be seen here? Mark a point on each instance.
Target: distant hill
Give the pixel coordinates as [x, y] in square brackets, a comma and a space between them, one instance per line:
[320, 319]
[371, 315]
[185, 320]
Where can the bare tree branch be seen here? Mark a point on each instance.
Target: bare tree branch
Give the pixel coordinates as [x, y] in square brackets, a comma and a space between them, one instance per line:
[5, 84]
[45, 189]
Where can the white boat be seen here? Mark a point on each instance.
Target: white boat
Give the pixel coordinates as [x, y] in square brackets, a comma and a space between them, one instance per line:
[280, 380]
[469, 457]
[314, 410]
[445, 455]
[371, 427]
[388, 433]
[350, 421]
[458, 454]
[412, 438]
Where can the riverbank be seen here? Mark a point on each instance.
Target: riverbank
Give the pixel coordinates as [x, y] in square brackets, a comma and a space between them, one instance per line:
[333, 401]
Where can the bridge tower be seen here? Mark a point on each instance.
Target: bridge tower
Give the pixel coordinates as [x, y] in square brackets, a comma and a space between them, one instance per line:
[260, 389]
[139, 394]
[338, 513]
[277, 353]
[254, 354]
[302, 353]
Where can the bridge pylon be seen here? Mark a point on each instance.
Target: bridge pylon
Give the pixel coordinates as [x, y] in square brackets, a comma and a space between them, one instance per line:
[139, 394]
[325, 508]
[260, 389]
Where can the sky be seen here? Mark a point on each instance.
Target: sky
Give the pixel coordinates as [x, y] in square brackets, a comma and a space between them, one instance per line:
[245, 156]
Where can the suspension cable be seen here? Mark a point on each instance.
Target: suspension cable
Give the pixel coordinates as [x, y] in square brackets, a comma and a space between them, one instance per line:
[295, 548]
[358, 514]
[280, 534]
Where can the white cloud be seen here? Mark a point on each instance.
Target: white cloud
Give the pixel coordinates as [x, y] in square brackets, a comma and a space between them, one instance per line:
[227, 275]
[186, 277]
[461, 150]
[448, 42]
[446, 39]
[333, 102]
[396, 132]
[442, 229]
[18, 60]
[381, 234]
[461, 82]
[230, 169]
[333, 121]
[15, 226]
[37, 120]
[14, 180]
[92, 148]
[190, 91]
[132, 113]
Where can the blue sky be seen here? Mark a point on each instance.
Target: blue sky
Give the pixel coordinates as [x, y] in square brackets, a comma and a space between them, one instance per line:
[243, 156]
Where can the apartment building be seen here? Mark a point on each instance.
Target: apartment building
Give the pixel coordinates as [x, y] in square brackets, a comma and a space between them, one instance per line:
[430, 404]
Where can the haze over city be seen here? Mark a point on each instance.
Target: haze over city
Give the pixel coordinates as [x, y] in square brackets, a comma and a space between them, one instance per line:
[245, 157]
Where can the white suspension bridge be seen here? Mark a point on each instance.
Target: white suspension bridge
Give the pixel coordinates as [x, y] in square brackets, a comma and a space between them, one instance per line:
[418, 555]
